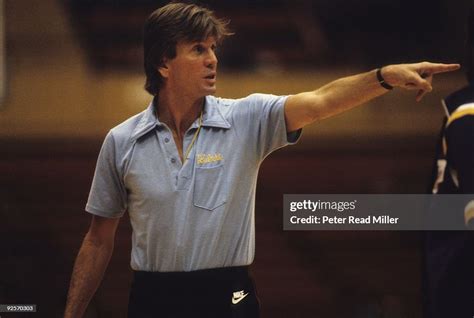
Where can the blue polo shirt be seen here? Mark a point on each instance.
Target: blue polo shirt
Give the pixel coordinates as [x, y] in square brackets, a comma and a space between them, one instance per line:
[199, 215]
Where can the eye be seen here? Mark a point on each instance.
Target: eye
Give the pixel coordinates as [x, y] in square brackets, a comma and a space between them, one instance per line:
[199, 48]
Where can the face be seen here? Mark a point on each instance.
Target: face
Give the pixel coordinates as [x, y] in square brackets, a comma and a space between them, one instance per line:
[193, 71]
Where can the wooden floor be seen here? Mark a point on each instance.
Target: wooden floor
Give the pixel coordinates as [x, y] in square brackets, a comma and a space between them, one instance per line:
[43, 190]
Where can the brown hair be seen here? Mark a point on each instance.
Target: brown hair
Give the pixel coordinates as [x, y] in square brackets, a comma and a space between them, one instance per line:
[172, 23]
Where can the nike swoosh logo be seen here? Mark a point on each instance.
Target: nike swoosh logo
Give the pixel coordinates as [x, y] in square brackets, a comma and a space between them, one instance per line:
[236, 300]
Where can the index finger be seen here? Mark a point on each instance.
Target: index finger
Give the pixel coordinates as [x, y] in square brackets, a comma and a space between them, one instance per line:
[435, 68]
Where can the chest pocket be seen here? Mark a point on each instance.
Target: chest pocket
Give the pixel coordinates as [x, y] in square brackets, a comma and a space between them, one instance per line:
[210, 190]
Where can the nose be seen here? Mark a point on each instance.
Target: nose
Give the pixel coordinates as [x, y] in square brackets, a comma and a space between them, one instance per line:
[211, 60]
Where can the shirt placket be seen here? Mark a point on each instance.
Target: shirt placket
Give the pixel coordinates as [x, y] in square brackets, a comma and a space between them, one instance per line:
[181, 172]
[185, 174]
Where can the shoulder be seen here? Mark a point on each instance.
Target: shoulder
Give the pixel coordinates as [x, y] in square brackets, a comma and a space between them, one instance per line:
[255, 97]
[125, 129]
[459, 98]
[252, 98]
[228, 105]
[122, 135]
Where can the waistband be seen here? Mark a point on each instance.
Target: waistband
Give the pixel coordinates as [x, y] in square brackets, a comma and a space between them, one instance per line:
[213, 274]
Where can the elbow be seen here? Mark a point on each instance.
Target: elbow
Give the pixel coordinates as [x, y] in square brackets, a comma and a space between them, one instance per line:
[102, 232]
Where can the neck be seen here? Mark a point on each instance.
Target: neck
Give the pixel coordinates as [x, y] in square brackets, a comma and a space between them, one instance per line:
[178, 112]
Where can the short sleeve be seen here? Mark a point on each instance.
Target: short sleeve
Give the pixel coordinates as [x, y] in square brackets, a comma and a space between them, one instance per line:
[107, 196]
[267, 113]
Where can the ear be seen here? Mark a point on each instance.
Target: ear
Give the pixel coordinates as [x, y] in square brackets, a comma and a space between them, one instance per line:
[163, 68]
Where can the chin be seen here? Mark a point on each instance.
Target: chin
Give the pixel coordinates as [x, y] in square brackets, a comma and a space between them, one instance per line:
[210, 90]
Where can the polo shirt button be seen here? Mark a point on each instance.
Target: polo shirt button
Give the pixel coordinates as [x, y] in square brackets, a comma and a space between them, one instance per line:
[173, 160]
[167, 140]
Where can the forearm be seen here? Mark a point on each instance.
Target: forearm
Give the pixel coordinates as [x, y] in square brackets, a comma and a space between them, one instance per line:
[89, 268]
[344, 94]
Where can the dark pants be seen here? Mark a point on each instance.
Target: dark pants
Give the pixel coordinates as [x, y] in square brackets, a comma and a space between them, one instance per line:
[212, 293]
[449, 274]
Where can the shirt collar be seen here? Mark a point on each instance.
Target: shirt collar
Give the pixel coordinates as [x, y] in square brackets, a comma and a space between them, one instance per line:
[211, 117]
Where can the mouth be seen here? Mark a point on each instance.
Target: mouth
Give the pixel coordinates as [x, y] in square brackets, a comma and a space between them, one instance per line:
[211, 76]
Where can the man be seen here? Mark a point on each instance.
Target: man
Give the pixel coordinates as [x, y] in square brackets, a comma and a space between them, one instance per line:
[449, 257]
[185, 169]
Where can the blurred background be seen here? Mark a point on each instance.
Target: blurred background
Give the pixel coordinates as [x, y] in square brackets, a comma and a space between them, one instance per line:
[72, 69]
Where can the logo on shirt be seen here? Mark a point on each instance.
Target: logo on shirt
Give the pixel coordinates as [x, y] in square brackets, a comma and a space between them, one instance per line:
[238, 296]
[202, 158]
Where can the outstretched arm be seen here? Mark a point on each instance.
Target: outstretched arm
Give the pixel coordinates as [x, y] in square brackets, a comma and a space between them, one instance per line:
[345, 93]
